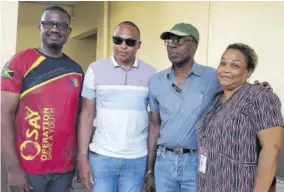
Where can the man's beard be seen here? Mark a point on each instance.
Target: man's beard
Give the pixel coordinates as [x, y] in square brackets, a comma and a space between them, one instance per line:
[55, 47]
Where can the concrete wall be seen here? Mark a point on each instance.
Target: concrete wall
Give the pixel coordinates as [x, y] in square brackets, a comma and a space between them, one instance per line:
[89, 15]
[83, 50]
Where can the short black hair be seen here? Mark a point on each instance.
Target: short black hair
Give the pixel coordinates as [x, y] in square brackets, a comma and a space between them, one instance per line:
[57, 8]
[248, 52]
[129, 23]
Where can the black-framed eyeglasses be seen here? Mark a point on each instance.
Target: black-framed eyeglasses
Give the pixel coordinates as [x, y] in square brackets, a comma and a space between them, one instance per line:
[49, 24]
[177, 41]
[129, 42]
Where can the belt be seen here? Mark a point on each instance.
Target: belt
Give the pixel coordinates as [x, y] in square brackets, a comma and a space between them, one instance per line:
[181, 150]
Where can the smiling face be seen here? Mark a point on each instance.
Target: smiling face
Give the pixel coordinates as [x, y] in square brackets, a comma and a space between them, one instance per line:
[54, 30]
[123, 53]
[232, 71]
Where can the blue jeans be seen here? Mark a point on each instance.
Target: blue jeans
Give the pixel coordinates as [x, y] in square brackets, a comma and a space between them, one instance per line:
[116, 174]
[57, 182]
[175, 172]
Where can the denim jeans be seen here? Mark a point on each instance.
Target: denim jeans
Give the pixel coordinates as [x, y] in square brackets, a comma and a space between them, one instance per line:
[57, 182]
[116, 174]
[175, 172]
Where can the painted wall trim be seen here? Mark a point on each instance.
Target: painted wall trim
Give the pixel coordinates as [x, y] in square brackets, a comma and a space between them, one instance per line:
[106, 26]
[208, 32]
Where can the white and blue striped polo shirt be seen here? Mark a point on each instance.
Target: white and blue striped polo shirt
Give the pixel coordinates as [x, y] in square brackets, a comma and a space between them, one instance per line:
[121, 104]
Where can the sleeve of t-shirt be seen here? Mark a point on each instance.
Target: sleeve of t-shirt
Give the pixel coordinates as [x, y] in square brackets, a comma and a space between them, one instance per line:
[12, 76]
[154, 105]
[89, 89]
[266, 110]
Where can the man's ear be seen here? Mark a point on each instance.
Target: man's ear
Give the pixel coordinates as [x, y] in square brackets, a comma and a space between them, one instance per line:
[195, 45]
[139, 45]
[69, 31]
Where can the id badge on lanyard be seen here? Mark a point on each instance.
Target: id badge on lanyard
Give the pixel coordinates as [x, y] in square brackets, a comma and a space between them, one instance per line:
[203, 154]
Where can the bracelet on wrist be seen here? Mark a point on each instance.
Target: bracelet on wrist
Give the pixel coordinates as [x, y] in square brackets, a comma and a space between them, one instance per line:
[149, 173]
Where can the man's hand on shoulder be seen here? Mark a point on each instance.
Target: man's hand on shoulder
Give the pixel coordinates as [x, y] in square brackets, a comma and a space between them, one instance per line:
[264, 84]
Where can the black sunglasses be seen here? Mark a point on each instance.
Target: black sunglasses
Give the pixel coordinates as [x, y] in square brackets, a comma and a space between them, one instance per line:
[50, 24]
[128, 42]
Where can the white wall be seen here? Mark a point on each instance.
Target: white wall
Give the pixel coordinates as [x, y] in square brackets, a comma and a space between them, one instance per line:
[259, 24]
[8, 34]
[9, 17]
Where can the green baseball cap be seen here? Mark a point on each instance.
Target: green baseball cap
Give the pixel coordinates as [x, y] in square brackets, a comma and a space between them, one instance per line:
[181, 29]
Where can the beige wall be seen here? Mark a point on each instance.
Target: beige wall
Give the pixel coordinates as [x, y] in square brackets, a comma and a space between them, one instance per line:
[89, 15]
[155, 17]
[83, 51]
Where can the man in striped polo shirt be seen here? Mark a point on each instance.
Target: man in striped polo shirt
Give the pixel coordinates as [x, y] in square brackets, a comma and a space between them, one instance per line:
[117, 88]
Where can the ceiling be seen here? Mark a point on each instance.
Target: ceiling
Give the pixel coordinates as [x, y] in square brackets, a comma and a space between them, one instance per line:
[67, 3]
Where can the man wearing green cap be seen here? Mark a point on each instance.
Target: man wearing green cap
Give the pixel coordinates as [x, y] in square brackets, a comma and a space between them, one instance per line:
[177, 97]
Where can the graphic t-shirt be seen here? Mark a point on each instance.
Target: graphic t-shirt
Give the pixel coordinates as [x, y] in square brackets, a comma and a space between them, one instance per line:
[45, 121]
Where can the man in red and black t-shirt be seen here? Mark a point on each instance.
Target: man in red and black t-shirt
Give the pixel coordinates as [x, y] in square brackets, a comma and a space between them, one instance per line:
[40, 96]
